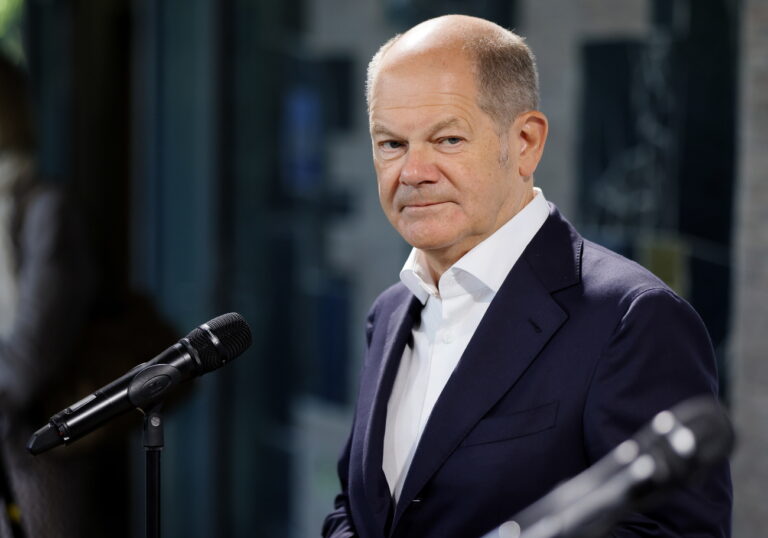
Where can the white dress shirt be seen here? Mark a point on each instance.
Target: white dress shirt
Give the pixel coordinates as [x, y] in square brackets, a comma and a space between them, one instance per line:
[452, 311]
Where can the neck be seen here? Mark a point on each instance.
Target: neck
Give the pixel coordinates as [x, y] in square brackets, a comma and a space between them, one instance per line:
[439, 262]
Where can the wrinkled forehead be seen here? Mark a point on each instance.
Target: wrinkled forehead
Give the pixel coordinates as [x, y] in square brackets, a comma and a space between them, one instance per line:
[416, 77]
[408, 53]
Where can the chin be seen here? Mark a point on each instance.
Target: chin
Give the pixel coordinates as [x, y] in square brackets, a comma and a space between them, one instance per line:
[429, 242]
[436, 230]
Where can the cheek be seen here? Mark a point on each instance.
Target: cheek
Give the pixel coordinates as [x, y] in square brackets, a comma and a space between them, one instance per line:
[386, 190]
[387, 181]
[488, 198]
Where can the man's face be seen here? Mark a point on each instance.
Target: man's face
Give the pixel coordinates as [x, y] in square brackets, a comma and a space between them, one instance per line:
[438, 156]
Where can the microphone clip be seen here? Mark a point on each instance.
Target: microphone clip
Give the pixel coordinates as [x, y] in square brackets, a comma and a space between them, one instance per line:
[150, 385]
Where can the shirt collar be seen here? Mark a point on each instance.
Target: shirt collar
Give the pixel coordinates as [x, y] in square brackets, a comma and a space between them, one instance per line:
[489, 262]
[415, 275]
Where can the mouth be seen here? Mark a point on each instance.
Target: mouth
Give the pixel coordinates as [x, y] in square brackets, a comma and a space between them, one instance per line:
[422, 205]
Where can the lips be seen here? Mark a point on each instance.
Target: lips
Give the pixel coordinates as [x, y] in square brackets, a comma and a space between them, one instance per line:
[424, 204]
[421, 205]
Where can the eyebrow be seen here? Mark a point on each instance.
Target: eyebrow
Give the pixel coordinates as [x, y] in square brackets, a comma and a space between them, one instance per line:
[439, 126]
[453, 121]
[379, 129]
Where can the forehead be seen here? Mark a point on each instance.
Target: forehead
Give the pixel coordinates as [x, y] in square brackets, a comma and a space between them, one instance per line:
[424, 82]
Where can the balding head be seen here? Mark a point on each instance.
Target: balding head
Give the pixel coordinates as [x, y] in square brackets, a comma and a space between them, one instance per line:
[504, 66]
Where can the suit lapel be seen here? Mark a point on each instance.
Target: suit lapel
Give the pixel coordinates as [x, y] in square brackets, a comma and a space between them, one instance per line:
[375, 390]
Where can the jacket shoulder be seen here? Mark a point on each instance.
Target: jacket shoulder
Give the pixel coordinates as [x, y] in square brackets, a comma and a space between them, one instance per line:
[612, 276]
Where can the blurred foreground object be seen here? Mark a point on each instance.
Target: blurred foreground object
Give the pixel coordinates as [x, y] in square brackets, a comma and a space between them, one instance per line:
[45, 299]
[675, 447]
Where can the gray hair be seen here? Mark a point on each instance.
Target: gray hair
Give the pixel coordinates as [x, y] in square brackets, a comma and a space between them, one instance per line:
[373, 67]
[506, 76]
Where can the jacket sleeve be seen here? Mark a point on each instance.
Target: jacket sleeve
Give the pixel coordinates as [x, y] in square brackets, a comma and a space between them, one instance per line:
[338, 524]
[659, 355]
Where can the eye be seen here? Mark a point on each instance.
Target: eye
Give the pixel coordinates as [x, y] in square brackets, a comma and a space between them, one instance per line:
[391, 146]
[450, 142]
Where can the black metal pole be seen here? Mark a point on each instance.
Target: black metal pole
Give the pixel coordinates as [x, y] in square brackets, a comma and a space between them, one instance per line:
[153, 446]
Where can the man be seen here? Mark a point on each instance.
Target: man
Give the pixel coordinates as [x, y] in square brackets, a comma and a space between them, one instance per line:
[514, 354]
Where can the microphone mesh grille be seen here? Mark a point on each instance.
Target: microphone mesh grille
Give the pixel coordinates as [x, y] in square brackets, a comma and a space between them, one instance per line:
[233, 335]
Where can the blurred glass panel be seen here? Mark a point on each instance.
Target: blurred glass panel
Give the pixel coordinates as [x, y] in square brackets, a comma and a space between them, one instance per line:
[10, 28]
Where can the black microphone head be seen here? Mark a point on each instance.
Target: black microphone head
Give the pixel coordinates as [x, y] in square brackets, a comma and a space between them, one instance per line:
[694, 434]
[220, 340]
[675, 446]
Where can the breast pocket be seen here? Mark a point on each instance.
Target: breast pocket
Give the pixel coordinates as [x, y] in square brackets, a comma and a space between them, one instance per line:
[495, 428]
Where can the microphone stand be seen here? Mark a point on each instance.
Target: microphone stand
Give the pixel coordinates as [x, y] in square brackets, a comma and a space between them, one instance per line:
[153, 446]
[145, 390]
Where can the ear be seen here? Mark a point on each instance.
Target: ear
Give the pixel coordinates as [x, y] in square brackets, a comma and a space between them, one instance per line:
[531, 129]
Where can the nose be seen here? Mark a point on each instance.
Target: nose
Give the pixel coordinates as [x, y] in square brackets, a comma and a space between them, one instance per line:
[419, 167]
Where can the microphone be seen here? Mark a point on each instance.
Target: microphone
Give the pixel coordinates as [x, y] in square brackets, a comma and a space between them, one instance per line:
[673, 447]
[206, 348]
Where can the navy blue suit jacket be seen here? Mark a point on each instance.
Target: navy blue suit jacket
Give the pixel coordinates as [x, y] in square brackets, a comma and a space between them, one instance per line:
[577, 351]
